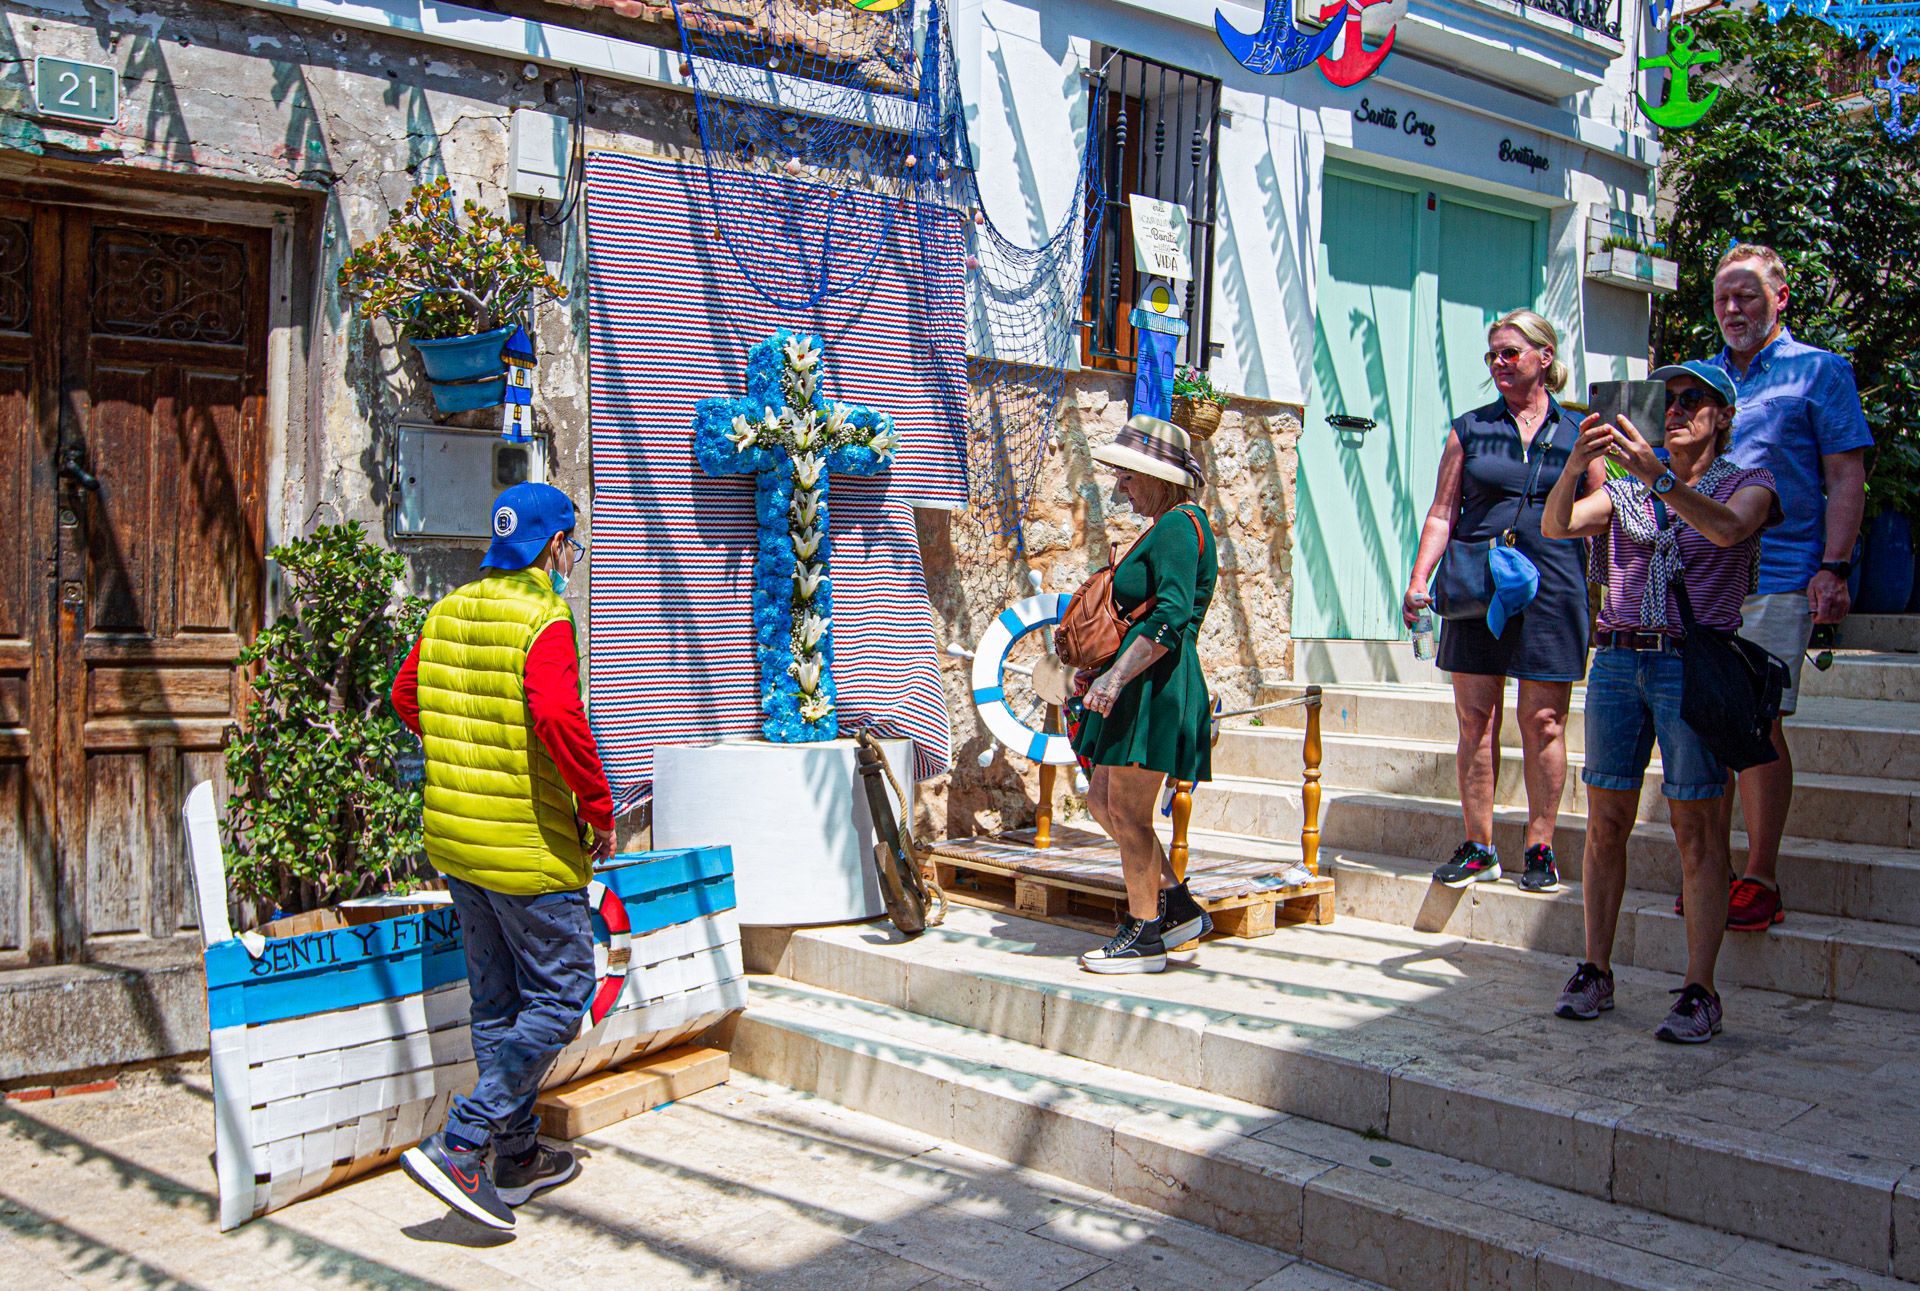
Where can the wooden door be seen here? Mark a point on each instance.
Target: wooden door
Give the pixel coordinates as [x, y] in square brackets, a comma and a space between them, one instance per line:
[160, 531]
[29, 419]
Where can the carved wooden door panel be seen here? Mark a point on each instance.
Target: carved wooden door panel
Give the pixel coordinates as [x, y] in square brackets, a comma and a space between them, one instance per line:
[163, 381]
[29, 422]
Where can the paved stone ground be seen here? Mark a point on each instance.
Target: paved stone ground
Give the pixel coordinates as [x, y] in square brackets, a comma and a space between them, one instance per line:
[746, 1185]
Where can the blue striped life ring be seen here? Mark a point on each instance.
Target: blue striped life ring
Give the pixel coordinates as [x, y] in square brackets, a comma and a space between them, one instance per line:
[989, 688]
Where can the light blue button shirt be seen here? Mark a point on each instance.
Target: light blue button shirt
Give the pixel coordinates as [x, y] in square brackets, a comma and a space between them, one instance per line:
[1797, 403]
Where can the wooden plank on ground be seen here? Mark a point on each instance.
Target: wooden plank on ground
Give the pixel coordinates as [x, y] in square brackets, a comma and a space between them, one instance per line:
[583, 1106]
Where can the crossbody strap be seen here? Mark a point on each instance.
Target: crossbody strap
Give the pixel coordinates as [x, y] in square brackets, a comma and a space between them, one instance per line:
[1141, 610]
[1679, 580]
[1533, 479]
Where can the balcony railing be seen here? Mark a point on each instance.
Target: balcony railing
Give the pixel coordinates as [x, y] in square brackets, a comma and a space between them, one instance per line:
[1602, 16]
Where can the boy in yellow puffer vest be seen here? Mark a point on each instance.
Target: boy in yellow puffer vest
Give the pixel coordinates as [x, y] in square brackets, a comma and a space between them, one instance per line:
[513, 782]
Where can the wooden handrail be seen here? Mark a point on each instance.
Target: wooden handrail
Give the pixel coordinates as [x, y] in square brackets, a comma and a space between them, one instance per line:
[1310, 785]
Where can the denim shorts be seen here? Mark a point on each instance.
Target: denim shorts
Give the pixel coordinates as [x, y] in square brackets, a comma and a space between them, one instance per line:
[1633, 697]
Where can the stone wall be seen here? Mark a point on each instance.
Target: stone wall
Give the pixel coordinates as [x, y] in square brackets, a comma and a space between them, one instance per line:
[1074, 527]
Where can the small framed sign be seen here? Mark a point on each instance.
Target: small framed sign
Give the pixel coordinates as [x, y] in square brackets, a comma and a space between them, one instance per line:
[80, 91]
[1160, 238]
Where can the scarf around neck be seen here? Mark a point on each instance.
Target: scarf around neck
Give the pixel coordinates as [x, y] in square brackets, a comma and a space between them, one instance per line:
[1632, 515]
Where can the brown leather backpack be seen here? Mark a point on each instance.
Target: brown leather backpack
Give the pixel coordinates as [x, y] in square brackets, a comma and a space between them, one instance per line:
[1092, 626]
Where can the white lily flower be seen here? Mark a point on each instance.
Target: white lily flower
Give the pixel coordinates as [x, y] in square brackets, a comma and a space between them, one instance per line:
[808, 673]
[806, 430]
[806, 542]
[812, 628]
[744, 433]
[807, 468]
[885, 441]
[815, 708]
[806, 507]
[800, 353]
[807, 579]
[836, 419]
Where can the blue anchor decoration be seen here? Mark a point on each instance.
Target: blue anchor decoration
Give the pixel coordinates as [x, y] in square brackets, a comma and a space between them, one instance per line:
[1278, 47]
[1897, 126]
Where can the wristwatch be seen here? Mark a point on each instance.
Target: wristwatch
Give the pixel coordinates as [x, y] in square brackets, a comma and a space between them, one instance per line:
[1663, 483]
[1840, 569]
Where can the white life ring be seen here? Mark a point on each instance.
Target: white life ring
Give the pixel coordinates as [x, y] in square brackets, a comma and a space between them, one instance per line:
[989, 679]
[610, 977]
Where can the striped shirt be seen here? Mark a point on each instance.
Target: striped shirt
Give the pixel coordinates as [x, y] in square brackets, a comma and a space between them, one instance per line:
[1718, 578]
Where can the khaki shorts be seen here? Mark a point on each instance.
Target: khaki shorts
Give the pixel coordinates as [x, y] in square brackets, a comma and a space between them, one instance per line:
[1781, 624]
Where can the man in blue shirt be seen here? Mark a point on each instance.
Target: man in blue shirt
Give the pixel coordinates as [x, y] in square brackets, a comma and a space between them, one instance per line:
[1799, 417]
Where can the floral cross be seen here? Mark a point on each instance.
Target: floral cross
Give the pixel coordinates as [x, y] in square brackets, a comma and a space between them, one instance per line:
[791, 441]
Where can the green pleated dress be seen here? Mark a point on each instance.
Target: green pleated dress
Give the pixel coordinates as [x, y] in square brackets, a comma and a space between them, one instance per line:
[1162, 719]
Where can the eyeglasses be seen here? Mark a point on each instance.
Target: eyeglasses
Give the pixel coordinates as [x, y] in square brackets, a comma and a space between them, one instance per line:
[579, 549]
[1688, 401]
[1506, 354]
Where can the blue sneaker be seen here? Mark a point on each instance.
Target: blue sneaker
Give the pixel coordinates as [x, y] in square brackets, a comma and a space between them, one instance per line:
[458, 1177]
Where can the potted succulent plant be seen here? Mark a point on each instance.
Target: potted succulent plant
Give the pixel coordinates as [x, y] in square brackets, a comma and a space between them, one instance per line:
[1196, 402]
[457, 285]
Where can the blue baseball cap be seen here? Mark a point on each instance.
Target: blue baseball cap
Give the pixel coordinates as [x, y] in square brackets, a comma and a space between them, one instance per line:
[525, 518]
[1516, 581]
[1714, 378]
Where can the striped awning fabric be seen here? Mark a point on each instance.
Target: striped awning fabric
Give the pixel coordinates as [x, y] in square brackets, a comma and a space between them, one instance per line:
[670, 321]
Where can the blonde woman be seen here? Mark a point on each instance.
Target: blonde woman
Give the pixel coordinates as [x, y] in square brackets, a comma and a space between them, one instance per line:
[1500, 463]
[1148, 716]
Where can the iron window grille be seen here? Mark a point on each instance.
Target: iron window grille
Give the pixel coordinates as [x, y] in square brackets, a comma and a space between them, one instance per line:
[1602, 16]
[1161, 139]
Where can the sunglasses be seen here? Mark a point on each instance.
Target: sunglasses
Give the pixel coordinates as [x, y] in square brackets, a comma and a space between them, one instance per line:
[1690, 401]
[1506, 354]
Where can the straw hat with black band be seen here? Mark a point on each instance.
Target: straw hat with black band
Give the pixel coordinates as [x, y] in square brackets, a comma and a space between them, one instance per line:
[1149, 446]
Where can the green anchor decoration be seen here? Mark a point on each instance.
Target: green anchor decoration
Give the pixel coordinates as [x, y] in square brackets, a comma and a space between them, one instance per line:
[1680, 109]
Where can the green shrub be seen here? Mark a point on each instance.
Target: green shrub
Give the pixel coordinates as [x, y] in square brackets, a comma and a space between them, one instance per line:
[321, 809]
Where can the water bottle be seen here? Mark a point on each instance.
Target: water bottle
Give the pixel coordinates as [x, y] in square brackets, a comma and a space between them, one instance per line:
[1423, 627]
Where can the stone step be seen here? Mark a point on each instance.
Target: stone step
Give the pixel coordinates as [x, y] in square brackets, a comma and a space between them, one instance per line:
[1858, 672]
[1846, 879]
[1384, 1102]
[1882, 632]
[1819, 957]
[1249, 762]
[1867, 737]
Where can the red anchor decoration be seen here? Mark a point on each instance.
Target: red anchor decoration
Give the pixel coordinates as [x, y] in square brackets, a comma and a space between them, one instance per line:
[1356, 62]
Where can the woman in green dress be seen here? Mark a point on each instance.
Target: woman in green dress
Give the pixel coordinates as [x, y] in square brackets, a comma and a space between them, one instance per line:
[1148, 716]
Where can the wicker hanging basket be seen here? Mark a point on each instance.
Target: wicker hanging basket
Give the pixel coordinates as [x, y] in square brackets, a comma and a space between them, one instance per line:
[1198, 417]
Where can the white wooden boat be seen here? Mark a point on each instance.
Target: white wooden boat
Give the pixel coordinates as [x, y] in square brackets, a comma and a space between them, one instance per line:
[334, 1051]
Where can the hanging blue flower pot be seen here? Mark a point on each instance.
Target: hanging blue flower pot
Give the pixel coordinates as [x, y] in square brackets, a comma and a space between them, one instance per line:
[466, 372]
[1886, 571]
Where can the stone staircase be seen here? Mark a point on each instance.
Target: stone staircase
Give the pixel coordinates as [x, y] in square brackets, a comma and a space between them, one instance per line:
[1388, 1097]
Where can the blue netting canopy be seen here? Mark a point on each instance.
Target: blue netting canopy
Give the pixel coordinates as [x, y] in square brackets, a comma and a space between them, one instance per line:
[823, 127]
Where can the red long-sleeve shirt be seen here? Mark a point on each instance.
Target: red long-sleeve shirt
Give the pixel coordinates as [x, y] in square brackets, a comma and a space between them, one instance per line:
[553, 697]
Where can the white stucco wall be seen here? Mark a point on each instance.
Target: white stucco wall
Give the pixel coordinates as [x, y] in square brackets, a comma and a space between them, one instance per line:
[1022, 64]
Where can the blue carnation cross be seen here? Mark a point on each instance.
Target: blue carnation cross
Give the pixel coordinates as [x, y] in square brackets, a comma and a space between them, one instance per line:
[792, 442]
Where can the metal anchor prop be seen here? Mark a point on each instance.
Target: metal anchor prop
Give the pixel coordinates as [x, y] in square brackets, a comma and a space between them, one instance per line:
[1278, 47]
[1356, 62]
[1896, 125]
[1680, 109]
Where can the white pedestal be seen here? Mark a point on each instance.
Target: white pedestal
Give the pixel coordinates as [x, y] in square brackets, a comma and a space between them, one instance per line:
[795, 816]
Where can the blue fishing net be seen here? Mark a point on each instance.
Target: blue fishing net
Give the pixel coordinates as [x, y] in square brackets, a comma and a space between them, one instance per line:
[824, 128]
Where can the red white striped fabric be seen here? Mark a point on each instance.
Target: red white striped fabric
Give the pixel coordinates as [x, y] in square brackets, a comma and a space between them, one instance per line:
[670, 323]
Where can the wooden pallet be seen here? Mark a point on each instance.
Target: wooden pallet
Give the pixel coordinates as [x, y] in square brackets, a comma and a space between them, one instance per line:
[1077, 881]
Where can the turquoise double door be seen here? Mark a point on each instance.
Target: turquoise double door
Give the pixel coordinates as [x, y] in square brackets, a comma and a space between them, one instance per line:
[1410, 275]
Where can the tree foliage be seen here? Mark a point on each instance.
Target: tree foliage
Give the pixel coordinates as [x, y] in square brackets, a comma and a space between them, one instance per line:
[440, 277]
[1792, 156]
[319, 811]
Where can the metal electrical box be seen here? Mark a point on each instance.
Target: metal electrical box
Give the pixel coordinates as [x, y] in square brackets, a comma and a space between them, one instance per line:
[539, 152]
[445, 479]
